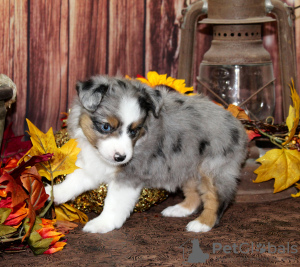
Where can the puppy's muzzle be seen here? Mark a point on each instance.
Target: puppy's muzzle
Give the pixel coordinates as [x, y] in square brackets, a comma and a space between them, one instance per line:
[119, 158]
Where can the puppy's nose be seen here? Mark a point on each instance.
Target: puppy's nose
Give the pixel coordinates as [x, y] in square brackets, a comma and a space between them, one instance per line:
[119, 158]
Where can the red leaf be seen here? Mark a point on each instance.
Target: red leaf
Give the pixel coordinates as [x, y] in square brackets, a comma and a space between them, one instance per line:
[140, 76]
[31, 216]
[252, 134]
[65, 226]
[31, 162]
[5, 202]
[56, 247]
[32, 182]
[13, 146]
[10, 164]
[18, 194]
[16, 217]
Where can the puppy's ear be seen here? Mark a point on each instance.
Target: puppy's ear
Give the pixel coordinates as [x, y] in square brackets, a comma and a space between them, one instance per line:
[151, 99]
[90, 93]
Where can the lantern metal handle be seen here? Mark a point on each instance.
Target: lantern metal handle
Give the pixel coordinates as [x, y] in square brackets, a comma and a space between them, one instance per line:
[287, 52]
[188, 29]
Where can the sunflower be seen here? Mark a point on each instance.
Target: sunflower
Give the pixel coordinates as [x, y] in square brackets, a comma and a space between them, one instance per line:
[154, 79]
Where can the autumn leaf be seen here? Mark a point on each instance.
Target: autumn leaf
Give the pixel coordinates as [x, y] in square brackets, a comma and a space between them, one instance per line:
[22, 165]
[32, 182]
[47, 232]
[252, 134]
[12, 216]
[65, 226]
[36, 242]
[64, 158]
[292, 120]
[18, 194]
[17, 215]
[63, 161]
[238, 112]
[55, 248]
[281, 164]
[44, 237]
[13, 146]
[4, 213]
[9, 165]
[298, 194]
[65, 212]
[5, 230]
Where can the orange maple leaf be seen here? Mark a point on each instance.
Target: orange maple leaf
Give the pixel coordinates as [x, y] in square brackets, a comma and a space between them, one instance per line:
[18, 194]
[238, 112]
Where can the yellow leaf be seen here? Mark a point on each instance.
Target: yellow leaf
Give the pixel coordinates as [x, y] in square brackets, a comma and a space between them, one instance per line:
[44, 143]
[293, 118]
[238, 112]
[63, 161]
[64, 158]
[281, 164]
[298, 194]
[65, 212]
[290, 119]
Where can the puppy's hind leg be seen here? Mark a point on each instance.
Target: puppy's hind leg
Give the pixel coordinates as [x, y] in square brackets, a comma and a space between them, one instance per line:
[190, 204]
[209, 215]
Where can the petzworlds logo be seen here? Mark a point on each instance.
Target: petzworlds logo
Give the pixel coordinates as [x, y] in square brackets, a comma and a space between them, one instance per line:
[196, 255]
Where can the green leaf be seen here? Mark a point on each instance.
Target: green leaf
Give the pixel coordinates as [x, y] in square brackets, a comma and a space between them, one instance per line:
[5, 229]
[37, 244]
[4, 213]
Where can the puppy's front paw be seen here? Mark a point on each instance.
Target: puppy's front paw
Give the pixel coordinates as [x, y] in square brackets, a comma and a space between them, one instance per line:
[196, 226]
[59, 198]
[98, 225]
[176, 211]
[48, 190]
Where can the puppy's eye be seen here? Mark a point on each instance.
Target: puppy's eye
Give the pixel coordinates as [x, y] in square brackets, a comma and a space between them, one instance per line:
[133, 132]
[105, 127]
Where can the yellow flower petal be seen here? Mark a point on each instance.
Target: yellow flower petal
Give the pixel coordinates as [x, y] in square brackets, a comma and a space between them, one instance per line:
[154, 79]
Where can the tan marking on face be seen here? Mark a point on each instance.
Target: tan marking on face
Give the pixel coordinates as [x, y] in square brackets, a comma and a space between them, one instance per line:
[137, 124]
[192, 197]
[86, 125]
[210, 202]
[113, 121]
[139, 135]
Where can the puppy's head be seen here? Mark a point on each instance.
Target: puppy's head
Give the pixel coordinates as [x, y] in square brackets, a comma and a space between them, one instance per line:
[114, 114]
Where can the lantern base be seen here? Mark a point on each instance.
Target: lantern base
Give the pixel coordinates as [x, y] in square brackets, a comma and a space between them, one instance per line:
[248, 191]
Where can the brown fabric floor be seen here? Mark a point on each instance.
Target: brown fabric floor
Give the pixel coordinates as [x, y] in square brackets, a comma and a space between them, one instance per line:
[264, 234]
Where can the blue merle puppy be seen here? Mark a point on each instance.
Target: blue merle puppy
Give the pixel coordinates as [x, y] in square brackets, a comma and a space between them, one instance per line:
[132, 136]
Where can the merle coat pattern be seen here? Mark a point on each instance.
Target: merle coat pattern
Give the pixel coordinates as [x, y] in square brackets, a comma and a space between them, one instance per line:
[172, 141]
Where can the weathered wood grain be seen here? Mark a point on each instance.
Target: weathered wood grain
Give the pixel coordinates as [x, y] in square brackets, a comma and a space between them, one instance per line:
[162, 36]
[297, 37]
[126, 37]
[88, 41]
[59, 42]
[13, 55]
[48, 47]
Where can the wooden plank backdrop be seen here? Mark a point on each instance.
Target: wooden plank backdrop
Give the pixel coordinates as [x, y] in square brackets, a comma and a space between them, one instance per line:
[47, 46]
